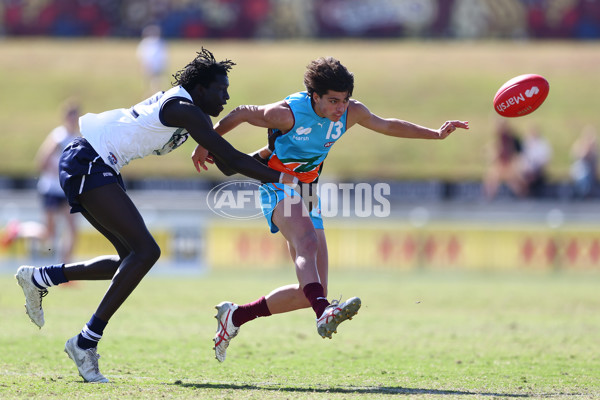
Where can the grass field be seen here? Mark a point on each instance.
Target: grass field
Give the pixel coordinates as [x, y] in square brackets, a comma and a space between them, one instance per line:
[429, 335]
[424, 82]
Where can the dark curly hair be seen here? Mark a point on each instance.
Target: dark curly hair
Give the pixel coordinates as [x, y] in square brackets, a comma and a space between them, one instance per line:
[327, 73]
[202, 70]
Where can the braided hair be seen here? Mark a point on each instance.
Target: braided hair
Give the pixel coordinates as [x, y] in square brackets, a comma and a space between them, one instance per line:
[324, 74]
[202, 70]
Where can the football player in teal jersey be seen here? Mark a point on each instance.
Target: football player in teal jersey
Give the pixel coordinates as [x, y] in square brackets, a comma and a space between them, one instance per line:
[302, 130]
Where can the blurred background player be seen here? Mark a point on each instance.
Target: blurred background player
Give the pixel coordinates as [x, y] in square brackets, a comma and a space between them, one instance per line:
[53, 198]
[505, 163]
[153, 57]
[584, 169]
[54, 202]
[90, 176]
[303, 128]
[537, 154]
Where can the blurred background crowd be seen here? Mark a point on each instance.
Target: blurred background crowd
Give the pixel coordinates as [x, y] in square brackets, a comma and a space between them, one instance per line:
[305, 19]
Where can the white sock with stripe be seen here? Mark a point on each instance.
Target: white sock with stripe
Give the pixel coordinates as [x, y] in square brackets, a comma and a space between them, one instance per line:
[41, 279]
[91, 333]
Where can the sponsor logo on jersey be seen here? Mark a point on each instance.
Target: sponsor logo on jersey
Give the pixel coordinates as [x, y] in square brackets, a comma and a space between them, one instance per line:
[303, 131]
[328, 144]
[112, 158]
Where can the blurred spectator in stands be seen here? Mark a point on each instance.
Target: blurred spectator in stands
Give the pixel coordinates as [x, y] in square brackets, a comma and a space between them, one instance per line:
[505, 164]
[536, 156]
[152, 54]
[585, 162]
[54, 202]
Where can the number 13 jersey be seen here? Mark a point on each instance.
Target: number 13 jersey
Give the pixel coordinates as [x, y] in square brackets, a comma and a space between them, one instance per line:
[302, 150]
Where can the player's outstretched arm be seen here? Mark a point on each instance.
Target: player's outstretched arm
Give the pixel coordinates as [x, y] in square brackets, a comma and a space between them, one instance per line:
[276, 115]
[450, 126]
[360, 114]
[199, 126]
[201, 156]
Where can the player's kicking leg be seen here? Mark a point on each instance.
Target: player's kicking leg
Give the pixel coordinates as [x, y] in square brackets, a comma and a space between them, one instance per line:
[335, 314]
[308, 249]
[33, 294]
[226, 330]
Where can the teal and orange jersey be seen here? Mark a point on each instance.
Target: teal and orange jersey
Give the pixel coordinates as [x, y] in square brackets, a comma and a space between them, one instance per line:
[302, 150]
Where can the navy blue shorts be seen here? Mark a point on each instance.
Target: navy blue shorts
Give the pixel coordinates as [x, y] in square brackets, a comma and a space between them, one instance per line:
[53, 202]
[81, 169]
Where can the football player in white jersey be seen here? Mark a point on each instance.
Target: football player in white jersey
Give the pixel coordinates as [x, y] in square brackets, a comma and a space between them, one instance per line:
[302, 129]
[90, 177]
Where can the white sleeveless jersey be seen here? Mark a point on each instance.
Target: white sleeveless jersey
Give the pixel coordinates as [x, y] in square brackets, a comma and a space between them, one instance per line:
[122, 135]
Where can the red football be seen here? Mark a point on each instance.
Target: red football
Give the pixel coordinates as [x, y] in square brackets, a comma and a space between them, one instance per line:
[521, 95]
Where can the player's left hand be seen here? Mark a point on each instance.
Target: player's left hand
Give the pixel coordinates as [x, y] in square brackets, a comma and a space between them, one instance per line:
[450, 126]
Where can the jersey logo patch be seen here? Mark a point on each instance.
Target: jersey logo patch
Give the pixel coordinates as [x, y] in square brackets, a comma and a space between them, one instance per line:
[303, 131]
[112, 158]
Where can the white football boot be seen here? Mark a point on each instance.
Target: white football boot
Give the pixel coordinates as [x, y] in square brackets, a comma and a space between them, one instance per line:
[85, 360]
[225, 329]
[335, 314]
[33, 295]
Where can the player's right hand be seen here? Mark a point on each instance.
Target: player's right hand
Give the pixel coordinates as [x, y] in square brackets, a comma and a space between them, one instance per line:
[200, 157]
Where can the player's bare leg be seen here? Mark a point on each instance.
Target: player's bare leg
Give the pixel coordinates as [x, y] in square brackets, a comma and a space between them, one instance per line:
[294, 223]
[112, 212]
[102, 267]
[291, 297]
[311, 269]
[99, 268]
[111, 207]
